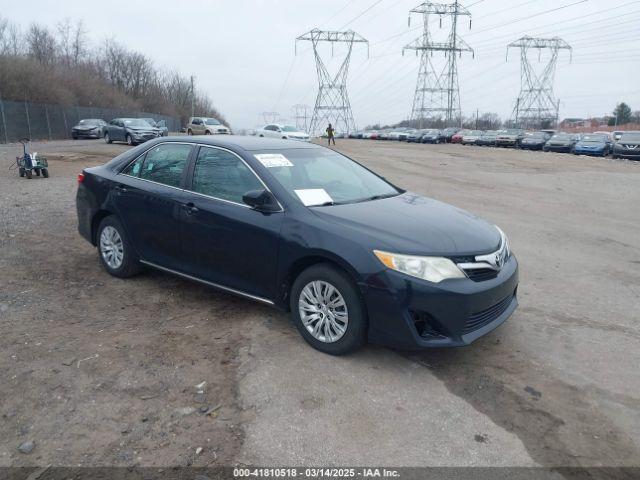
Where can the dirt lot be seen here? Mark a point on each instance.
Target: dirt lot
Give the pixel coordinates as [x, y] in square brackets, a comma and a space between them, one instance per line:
[101, 371]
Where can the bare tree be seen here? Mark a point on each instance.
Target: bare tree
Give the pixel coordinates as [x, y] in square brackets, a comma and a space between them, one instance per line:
[41, 44]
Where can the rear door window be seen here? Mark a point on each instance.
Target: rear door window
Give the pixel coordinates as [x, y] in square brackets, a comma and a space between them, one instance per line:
[222, 174]
[164, 164]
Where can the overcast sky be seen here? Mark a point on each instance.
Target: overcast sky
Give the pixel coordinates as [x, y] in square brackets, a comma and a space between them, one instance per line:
[242, 51]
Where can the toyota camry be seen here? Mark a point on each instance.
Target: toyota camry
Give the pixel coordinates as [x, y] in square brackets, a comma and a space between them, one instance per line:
[351, 256]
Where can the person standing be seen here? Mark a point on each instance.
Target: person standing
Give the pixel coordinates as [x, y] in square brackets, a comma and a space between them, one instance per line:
[331, 135]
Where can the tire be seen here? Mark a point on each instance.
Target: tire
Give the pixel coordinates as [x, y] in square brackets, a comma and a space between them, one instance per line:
[38, 172]
[128, 265]
[45, 172]
[356, 317]
[189, 132]
[107, 138]
[129, 140]
[21, 171]
[207, 132]
[74, 137]
[29, 174]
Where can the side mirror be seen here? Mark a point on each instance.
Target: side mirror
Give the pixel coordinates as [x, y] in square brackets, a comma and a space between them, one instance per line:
[261, 200]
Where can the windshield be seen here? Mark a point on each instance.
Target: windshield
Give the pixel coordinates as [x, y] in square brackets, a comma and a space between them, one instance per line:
[632, 137]
[512, 131]
[475, 133]
[537, 135]
[136, 122]
[324, 177]
[289, 128]
[594, 138]
[562, 136]
[150, 121]
[89, 122]
[211, 121]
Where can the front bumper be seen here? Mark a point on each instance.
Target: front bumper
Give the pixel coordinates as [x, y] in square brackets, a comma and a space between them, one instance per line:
[557, 148]
[506, 142]
[409, 313]
[628, 154]
[531, 146]
[85, 133]
[589, 151]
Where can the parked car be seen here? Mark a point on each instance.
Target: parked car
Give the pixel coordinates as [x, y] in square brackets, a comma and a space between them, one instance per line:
[448, 133]
[206, 126]
[130, 130]
[510, 137]
[471, 137]
[88, 128]
[488, 138]
[162, 125]
[416, 136]
[616, 135]
[432, 136]
[457, 137]
[395, 134]
[403, 135]
[367, 134]
[383, 135]
[593, 144]
[285, 132]
[305, 229]
[628, 146]
[561, 142]
[534, 140]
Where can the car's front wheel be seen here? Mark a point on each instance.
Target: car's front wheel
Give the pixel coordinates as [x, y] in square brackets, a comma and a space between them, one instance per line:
[328, 310]
[107, 138]
[115, 250]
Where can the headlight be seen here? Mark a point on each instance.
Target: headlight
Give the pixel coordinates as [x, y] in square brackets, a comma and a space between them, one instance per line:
[433, 269]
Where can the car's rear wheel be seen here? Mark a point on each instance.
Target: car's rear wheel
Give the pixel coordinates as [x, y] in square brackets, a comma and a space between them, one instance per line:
[207, 132]
[129, 139]
[107, 138]
[328, 310]
[45, 172]
[115, 250]
[21, 171]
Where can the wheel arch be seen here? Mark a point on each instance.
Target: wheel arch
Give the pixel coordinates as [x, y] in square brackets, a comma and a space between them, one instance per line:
[303, 263]
[95, 223]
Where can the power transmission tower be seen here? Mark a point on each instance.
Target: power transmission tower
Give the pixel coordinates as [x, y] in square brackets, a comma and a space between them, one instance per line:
[536, 105]
[332, 103]
[437, 96]
[301, 116]
[270, 117]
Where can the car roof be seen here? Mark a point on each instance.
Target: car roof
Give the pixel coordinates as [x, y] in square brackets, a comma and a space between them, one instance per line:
[245, 142]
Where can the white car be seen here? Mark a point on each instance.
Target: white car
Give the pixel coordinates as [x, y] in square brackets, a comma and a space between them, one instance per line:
[286, 132]
[471, 137]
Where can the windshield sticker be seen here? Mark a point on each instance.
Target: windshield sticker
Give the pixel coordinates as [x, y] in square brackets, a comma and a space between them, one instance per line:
[314, 196]
[271, 160]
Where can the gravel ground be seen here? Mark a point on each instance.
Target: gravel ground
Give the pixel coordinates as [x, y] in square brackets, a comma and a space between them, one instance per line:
[101, 371]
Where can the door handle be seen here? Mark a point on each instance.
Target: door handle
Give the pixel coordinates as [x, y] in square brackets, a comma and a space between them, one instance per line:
[190, 208]
[121, 188]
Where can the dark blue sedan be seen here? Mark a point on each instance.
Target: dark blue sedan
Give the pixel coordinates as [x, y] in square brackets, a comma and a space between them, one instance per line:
[306, 229]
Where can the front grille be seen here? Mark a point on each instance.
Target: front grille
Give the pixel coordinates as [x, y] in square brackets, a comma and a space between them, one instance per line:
[480, 319]
[481, 274]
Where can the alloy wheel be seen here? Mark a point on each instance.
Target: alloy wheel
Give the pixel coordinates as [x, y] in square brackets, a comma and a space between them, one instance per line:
[323, 311]
[111, 247]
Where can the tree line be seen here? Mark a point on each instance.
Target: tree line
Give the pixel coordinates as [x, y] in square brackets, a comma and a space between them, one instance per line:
[60, 65]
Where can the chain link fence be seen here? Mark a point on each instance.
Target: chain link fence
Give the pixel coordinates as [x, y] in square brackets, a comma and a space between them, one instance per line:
[52, 122]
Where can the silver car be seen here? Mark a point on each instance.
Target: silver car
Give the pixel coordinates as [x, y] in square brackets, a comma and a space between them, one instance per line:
[206, 126]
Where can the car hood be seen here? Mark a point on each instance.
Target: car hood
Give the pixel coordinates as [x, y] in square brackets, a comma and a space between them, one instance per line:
[590, 145]
[86, 127]
[629, 142]
[296, 134]
[533, 140]
[417, 225]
